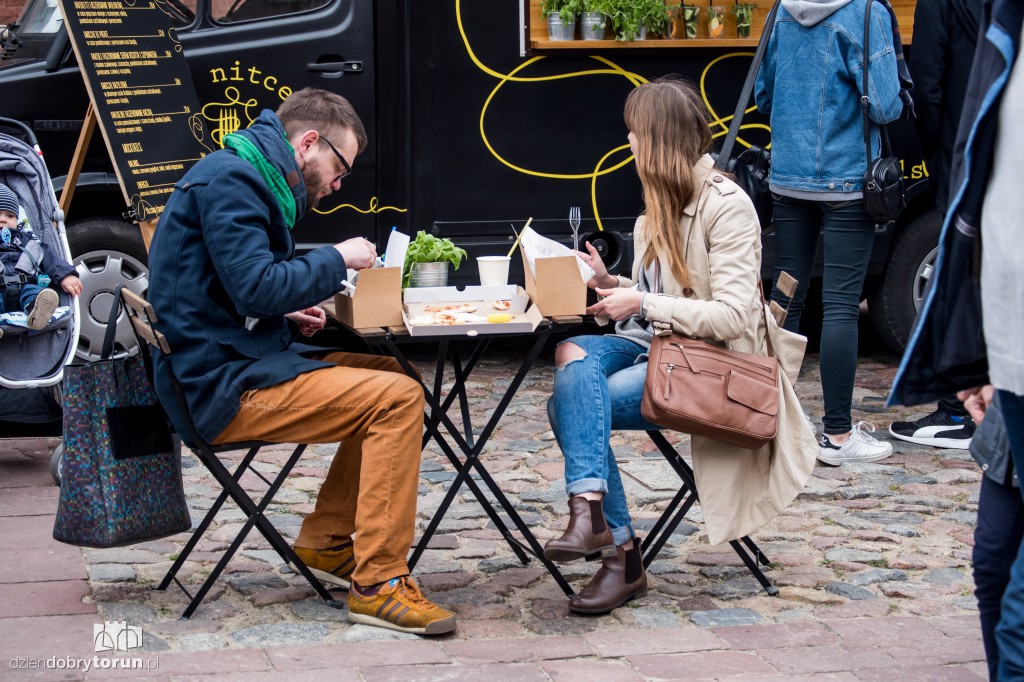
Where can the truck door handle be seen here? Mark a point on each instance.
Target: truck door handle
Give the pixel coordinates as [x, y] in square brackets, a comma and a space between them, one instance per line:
[335, 69]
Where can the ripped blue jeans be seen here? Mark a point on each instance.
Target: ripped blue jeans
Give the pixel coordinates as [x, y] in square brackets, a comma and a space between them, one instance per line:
[593, 396]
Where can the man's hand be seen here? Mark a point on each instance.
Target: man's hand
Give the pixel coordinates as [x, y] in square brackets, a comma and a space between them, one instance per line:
[601, 277]
[72, 285]
[359, 253]
[976, 400]
[310, 320]
[618, 303]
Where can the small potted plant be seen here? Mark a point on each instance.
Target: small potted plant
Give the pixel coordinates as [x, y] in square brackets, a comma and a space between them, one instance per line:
[634, 19]
[654, 16]
[744, 15]
[593, 20]
[426, 261]
[561, 16]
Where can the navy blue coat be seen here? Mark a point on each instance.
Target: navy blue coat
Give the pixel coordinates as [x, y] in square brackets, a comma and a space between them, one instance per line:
[946, 351]
[223, 253]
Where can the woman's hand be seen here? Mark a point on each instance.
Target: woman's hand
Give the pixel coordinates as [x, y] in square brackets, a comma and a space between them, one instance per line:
[618, 303]
[310, 320]
[601, 277]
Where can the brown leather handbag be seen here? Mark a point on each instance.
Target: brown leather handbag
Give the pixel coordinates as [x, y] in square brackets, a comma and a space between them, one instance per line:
[698, 388]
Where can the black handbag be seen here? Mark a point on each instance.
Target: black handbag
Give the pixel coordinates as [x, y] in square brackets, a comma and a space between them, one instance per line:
[750, 167]
[884, 198]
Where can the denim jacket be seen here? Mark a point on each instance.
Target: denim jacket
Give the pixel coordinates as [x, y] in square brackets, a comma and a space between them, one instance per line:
[811, 83]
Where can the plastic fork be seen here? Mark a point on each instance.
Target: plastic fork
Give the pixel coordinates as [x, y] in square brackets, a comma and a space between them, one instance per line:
[574, 223]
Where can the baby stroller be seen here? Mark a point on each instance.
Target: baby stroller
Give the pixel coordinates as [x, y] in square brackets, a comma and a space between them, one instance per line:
[33, 361]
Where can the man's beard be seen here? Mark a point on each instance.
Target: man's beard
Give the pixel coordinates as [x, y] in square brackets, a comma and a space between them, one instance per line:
[312, 180]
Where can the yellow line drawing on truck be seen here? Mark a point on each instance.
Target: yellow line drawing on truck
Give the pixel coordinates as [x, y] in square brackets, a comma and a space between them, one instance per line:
[613, 69]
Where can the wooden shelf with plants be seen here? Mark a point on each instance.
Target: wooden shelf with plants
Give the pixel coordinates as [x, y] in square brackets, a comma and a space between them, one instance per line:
[679, 35]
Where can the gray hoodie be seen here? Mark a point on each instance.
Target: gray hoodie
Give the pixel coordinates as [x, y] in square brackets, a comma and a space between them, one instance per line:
[811, 12]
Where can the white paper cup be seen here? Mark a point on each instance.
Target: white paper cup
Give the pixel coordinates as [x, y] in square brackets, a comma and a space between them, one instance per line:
[493, 270]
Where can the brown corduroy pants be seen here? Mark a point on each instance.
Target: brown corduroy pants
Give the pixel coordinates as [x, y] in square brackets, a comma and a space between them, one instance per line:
[376, 412]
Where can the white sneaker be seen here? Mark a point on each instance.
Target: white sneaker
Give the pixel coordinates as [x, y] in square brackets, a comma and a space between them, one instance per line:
[861, 447]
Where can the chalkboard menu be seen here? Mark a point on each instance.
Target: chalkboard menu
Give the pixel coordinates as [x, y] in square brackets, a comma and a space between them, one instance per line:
[143, 94]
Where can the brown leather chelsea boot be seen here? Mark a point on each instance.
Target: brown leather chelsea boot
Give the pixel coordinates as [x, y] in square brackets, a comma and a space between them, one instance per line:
[619, 579]
[586, 534]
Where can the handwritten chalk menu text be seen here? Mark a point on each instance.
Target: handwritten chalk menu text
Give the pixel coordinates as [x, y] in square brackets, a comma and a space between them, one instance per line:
[143, 94]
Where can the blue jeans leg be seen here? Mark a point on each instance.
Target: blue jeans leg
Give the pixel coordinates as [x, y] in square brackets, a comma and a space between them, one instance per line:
[848, 234]
[996, 539]
[28, 295]
[1010, 631]
[588, 401]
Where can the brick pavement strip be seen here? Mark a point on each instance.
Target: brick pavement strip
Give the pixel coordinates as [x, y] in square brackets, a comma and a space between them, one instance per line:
[873, 562]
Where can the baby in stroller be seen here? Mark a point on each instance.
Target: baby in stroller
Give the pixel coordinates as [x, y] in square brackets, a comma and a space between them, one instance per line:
[29, 266]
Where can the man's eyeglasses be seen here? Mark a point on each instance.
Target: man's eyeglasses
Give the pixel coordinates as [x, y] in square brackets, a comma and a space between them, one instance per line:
[344, 163]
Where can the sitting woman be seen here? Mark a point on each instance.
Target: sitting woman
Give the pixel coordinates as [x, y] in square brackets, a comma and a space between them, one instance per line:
[696, 270]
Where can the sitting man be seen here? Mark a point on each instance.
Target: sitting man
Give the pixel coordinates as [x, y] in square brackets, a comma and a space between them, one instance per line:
[231, 296]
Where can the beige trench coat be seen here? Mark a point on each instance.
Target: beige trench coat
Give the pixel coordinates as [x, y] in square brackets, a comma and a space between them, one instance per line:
[740, 490]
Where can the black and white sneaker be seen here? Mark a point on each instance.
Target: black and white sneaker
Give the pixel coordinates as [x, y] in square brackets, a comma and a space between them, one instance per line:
[939, 429]
[860, 447]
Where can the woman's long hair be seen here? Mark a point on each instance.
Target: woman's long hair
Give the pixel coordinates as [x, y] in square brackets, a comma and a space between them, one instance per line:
[671, 128]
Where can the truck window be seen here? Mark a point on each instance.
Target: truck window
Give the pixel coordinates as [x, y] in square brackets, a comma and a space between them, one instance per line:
[42, 16]
[228, 11]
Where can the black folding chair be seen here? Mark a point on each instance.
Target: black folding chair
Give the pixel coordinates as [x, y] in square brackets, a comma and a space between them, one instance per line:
[753, 558]
[142, 317]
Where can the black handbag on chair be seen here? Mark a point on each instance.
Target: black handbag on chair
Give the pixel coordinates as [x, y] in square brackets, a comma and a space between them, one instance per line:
[884, 198]
[751, 166]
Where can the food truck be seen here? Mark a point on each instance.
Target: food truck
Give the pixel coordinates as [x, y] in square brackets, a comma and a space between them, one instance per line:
[478, 120]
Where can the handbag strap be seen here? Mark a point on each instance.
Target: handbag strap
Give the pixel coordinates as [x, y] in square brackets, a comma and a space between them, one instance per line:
[748, 87]
[865, 100]
[108, 336]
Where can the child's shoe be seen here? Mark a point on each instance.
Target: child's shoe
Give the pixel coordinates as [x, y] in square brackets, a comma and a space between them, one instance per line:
[42, 311]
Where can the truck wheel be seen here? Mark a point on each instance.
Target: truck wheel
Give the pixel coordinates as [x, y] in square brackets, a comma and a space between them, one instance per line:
[894, 304]
[106, 252]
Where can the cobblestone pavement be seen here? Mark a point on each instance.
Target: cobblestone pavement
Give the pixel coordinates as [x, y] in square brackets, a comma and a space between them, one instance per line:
[872, 562]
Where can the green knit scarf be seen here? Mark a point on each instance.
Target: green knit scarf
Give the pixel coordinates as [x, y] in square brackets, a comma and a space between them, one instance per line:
[244, 147]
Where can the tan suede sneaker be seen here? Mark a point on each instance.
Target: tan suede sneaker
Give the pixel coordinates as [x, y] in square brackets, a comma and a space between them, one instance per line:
[46, 302]
[399, 605]
[333, 565]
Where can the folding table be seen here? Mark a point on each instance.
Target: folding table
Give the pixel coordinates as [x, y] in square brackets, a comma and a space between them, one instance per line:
[440, 428]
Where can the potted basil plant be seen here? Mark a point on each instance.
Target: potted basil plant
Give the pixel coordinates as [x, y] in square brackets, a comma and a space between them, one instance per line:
[593, 20]
[635, 19]
[426, 261]
[561, 17]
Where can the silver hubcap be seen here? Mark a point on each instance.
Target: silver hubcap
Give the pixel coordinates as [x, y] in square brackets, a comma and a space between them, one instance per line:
[924, 275]
[101, 272]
